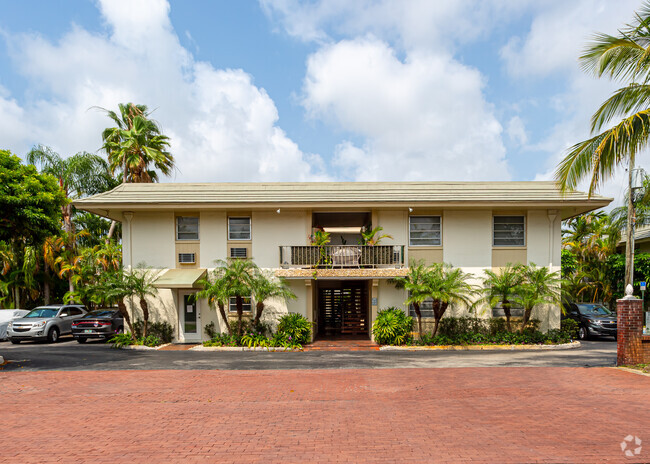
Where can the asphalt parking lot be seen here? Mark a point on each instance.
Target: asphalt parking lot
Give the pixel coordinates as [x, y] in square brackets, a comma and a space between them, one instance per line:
[68, 355]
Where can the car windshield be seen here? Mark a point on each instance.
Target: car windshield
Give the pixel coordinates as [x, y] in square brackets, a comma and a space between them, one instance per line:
[596, 310]
[42, 312]
[102, 313]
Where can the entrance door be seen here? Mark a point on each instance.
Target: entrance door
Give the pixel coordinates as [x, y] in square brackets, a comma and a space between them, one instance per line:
[190, 319]
[343, 309]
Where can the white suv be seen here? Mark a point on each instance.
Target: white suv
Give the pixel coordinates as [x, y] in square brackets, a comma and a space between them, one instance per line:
[45, 323]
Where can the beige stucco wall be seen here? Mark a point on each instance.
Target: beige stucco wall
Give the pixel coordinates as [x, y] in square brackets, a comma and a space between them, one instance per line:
[213, 233]
[272, 230]
[152, 240]
[395, 223]
[467, 238]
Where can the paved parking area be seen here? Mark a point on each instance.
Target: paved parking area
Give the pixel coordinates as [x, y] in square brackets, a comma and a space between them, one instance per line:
[488, 415]
[69, 355]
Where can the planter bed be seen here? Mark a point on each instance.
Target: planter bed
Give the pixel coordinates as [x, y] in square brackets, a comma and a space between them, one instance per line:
[561, 346]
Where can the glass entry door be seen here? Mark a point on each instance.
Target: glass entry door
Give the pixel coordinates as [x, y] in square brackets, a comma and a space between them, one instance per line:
[190, 318]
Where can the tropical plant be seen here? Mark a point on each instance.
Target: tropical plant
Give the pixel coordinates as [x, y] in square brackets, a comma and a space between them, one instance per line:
[446, 285]
[135, 144]
[539, 286]
[116, 287]
[215, 291]
[238, 279]
[79, 175]
[295, 327]
[500, 287]
[141, 282]
[30, 203]
[268, 287]
[320, 239]
[624, 58]
[392, 327]
[415, 284]
[372, 237]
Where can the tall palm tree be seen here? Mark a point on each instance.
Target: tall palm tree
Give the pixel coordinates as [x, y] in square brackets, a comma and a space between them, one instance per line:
[135, 144]
[239, 280]
[79, 175]
[116, 286]
[415, 283]
[446, 285]
[141, 285]
[539, 286]
[265, 288]
[624, 57]
[215, 290]
[501, 287]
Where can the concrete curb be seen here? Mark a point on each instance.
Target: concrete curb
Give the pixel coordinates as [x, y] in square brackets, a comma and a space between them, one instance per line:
[633, 371]
[563, 346]
[239, 348]
[143, 347]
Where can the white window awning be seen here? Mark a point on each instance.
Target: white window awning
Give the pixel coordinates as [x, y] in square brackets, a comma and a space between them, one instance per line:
[180, 278]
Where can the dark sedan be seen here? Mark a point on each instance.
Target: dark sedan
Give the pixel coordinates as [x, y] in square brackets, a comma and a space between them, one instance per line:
[593, 319]
[102, 324]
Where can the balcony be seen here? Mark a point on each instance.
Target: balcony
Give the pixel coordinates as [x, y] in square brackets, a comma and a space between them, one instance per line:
[342, 256]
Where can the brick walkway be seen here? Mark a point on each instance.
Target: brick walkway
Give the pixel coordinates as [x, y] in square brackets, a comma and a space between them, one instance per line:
[491, 415]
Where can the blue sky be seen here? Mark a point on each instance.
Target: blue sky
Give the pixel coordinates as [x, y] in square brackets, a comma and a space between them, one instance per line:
[318, 90]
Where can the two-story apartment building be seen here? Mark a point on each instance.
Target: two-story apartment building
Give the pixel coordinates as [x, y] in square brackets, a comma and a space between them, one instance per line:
[181, 229]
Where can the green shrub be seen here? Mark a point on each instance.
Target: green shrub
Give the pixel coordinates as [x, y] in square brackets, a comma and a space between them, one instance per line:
[296, 327]
[210, 330]
[223, 340]
[253, 339]
[121, 340]
[570, 327]
[161, 330]
[392, 327]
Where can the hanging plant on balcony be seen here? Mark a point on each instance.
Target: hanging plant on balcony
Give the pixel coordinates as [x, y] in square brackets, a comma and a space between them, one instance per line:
[372, 237]
[320, 239]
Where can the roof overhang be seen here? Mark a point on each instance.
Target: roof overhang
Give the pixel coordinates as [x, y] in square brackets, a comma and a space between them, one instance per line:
[180, 278]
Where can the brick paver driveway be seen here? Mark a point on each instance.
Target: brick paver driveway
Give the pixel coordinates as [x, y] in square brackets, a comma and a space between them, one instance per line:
[492, 415]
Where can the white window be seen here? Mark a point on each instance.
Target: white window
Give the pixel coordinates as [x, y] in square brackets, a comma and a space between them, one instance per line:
[187, 228]
[425, 231]
[247, 305]
[509, 231]
[239, 228]
[426, 309]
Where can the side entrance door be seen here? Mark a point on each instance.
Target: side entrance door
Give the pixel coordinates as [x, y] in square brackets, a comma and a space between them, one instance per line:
[190, 317]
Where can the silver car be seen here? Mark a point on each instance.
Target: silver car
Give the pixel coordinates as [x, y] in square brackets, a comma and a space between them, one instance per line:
[45, 323]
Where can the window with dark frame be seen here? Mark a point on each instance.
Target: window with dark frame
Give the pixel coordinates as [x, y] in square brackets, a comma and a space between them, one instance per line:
[239, 228]
[187, 228]
[425, 231]
[509, 231]
[247, 305]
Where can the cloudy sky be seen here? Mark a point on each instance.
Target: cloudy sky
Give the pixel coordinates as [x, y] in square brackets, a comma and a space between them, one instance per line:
[317, 90]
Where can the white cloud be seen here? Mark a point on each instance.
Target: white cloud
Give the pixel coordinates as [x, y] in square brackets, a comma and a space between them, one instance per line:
[222, 127]
[517, 131]
[422, 118]
[558, 33]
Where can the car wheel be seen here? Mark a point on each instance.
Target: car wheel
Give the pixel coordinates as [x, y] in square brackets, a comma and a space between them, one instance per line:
[583, 333]
[81, 340]
[53, 335]
[15, 342]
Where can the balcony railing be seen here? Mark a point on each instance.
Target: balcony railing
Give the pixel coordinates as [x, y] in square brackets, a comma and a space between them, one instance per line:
[342, 256]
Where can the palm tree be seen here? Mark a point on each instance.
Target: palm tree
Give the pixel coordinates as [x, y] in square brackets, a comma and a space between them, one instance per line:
[238, 279]
[214, 289]
[141, 285]
[135, 143]
[501, 287]
[446, 286]
[79, 175]
[116, 286]
[372, 237]
[265, 288]
[415, 283]
[624, 57]
[539, 286]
